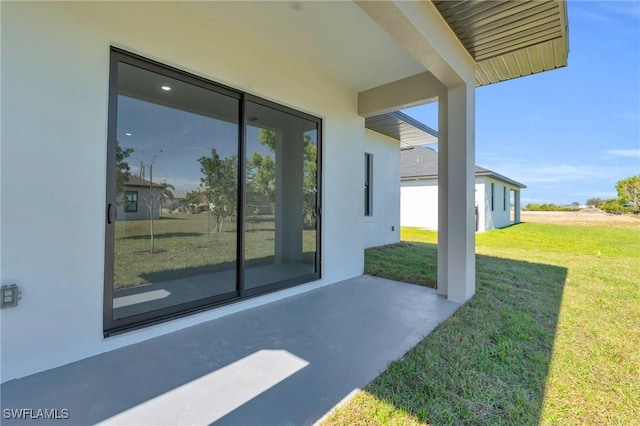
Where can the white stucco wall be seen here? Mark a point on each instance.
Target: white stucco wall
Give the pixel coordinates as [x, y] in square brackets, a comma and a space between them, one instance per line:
[499, 217]
[419, 204]
[482, 211]
[383, 226]
[55, 73]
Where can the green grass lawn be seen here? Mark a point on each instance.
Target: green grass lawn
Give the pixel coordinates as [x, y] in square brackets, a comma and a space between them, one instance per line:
[185, 245]
[552, 335]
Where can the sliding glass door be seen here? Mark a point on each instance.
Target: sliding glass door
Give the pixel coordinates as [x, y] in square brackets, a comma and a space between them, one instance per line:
[212, 194]
[280, 197]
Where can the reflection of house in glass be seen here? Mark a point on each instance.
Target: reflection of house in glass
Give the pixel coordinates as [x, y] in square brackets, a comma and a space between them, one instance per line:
[240, 232]
[136, 204]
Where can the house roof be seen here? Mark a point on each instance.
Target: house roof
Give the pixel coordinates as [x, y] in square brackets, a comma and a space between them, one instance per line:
[509, 39]
[400, 126]
[136, 181]
[422, 163]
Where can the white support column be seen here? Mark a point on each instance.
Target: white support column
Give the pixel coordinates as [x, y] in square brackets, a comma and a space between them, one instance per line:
[456, 197]
[443, 193]
[516, 206]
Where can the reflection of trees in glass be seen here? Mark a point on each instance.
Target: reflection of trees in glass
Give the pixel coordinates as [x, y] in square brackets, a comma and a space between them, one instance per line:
[194, 201]
[261, 176]
[309, 184]
[122, 171]
[158, 195]
[268, 138]
[165, 194]
[148, 201]
[218, 187]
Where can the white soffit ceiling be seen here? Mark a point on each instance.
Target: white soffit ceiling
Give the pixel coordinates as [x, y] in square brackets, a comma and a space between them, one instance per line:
[337, 37]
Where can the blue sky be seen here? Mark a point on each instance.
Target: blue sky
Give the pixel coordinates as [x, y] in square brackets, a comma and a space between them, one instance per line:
[571, 133]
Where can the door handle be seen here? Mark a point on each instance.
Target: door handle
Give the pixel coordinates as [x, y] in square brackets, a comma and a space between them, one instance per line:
[112, 213]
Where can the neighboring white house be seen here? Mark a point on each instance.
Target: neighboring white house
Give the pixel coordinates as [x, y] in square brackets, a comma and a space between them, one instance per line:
[136, 203]
[494, 193]
[198, 88]
[384, 136]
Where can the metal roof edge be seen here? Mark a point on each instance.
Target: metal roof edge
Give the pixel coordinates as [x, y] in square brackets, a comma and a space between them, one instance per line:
[498, 176]
[413, 122]
[487, 173]
[564, 16]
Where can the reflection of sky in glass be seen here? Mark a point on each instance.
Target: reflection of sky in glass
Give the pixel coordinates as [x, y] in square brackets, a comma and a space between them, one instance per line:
[254, 145]
[313, 136]
[178, 139]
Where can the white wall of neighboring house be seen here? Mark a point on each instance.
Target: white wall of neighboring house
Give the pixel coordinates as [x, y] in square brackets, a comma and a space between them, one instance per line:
[55, 63]
[481, 205]
[500, 215]
[419, 203]
[383, 226]
[142, 212]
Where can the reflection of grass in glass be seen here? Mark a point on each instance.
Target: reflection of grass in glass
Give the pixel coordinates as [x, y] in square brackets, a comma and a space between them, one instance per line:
[184, 248]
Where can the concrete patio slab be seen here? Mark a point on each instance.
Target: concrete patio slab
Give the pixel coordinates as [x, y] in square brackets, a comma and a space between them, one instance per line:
[283, 363]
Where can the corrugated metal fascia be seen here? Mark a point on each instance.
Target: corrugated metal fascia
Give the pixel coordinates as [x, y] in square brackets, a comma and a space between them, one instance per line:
[532, 27]
[542, 32]
[514, 17]
[449, 8]
[481, 76]
[564, 23]
[403, 128]
[486, 12]
[413, 122]
[510, 39]
[530, 61]
[488, 52]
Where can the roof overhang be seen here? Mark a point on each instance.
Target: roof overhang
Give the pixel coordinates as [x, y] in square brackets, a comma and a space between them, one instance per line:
[486, 173]
[397, 125]
[455, 41]
[509, 39]
[501, 178]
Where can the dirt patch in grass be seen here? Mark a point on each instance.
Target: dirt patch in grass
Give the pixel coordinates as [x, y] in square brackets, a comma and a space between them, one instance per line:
[582, 219]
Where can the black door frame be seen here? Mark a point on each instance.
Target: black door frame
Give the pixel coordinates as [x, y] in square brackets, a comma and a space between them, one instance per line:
[113, 327]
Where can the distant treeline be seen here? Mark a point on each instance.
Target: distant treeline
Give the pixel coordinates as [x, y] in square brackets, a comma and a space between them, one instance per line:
[550, 208]
[628, 200]
[611, 205]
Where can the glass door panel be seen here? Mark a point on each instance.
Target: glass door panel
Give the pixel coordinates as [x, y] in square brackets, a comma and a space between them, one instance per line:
[176, 193]
[280, 198]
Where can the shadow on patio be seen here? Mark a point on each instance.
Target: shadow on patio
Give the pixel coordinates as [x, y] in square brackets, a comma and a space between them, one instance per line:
[487, 364]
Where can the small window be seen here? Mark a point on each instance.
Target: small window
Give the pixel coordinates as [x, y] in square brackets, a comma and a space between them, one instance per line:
[504, 198]
[493, 196]
[368, 187]
[130, 201]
